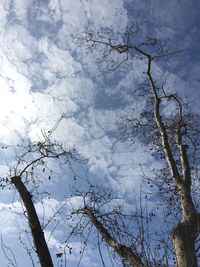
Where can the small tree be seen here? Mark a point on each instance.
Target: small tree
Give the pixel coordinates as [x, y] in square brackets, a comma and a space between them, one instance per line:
[172, 133]
[25, 176]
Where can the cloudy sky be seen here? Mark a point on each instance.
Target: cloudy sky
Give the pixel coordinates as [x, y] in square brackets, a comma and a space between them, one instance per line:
[45, 75]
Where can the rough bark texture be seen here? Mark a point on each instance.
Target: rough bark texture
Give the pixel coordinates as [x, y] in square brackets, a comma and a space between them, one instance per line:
[184, 245]
[34, 223]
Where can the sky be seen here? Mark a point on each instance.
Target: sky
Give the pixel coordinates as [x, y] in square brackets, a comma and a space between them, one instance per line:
[45, 75]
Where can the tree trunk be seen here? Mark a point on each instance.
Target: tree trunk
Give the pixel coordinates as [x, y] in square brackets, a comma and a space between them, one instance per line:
[34, 223]
[184, 245]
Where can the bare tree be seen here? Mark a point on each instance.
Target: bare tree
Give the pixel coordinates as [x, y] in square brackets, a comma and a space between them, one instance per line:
[32, 162]
[126, 231]
[172, 136]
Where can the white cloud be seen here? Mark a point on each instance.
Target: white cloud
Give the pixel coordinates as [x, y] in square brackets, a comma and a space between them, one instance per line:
[20, 8]
[16, 105]
[10, 221]
[55, 10]
[70, 133]
[78, 89]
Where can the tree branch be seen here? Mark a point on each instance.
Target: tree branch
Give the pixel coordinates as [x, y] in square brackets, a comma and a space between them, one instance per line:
[122, 250]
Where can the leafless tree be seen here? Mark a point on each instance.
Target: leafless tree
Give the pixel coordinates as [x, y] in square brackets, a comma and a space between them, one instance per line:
[130, 234]
[25, 177]
[171, 131]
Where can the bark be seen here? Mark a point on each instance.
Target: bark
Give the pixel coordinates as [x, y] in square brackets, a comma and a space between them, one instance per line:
[185, 233]
[184, 244]
[34, 223]
[122, 250]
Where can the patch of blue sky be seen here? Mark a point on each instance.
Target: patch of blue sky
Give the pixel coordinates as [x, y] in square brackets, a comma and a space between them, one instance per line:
[39, 28]
[39, 84]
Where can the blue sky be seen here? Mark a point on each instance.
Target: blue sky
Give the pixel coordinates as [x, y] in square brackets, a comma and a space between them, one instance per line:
[44, 75]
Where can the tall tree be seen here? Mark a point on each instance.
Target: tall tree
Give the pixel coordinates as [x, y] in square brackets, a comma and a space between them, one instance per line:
[173, 135]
